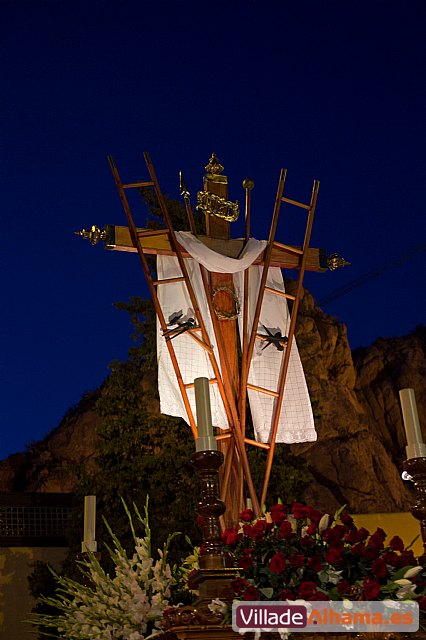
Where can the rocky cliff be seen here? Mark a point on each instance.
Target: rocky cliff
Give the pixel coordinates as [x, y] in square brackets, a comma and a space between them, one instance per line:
[357, 459]
[50, 464]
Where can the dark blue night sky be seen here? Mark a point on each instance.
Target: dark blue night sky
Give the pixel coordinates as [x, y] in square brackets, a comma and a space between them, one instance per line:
[330, 90]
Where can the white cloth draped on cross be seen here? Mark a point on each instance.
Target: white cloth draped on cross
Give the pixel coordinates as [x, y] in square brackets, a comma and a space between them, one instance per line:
[296, 422]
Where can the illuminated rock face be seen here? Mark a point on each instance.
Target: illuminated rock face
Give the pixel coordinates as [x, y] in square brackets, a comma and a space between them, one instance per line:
[361, 444]
[47, 466]
[358, 457]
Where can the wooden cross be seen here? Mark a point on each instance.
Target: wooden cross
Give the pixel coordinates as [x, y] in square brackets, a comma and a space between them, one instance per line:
[219, 287]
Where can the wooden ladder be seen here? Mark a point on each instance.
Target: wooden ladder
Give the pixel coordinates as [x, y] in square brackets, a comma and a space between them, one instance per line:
[302, 254]
[219, 378]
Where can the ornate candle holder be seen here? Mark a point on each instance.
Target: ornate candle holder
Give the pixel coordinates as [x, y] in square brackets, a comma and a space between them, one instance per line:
[415, 469]
[213, 578]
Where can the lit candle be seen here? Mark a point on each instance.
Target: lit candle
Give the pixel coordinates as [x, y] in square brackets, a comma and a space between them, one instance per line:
[89, 543]
[206, 440]
[415, 448]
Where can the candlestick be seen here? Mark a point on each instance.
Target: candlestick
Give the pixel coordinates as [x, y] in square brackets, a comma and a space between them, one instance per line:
[415, 448]
[415, 468]
[89, 543]
[206, 440]
[214, 578]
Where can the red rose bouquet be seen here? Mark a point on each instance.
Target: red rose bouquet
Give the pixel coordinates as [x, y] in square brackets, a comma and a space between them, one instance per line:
[297, 552]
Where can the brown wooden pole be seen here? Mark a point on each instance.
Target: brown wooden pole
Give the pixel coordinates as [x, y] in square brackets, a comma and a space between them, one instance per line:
[185, 193]
[248, 185]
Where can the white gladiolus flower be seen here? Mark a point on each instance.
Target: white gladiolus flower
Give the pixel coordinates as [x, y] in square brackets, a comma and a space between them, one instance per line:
[123, 607]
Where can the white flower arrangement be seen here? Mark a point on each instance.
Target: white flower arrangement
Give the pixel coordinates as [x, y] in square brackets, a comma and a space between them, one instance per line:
[128, 606]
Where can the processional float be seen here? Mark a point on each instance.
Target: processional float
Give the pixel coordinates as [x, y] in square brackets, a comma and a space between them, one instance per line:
[222, 314]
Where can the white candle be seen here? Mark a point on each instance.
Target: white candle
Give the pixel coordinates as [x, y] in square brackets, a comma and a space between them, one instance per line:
[89, 543]
[415, 448]
[206, 440]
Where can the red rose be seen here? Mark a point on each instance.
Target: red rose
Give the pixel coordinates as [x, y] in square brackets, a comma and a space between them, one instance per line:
[371, 589]
[358, 549]
[319, 595]
[258, 530]
[307, 589]
[348, 521]
[306, 542]
[191, 576]
[286, 594]
[277, 563]
[380, 534]
[396, 544]
[230, 536]
[379, 568]
[343, 587]
[246, 515]
[350, 537]
[314, 515]
[286, 530]
[315, 564]
[245, 562]
[297, 560]
[202, 549]
[251, 593]
[371, 553]
[247, 529]
[406, 559]
[299, 510]
[200, 521]
[391, 557]
[375, 542]
[334, 555]
[238, 585]
[312, 528]
[362, 534]
[278, 513]
[334, 534]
